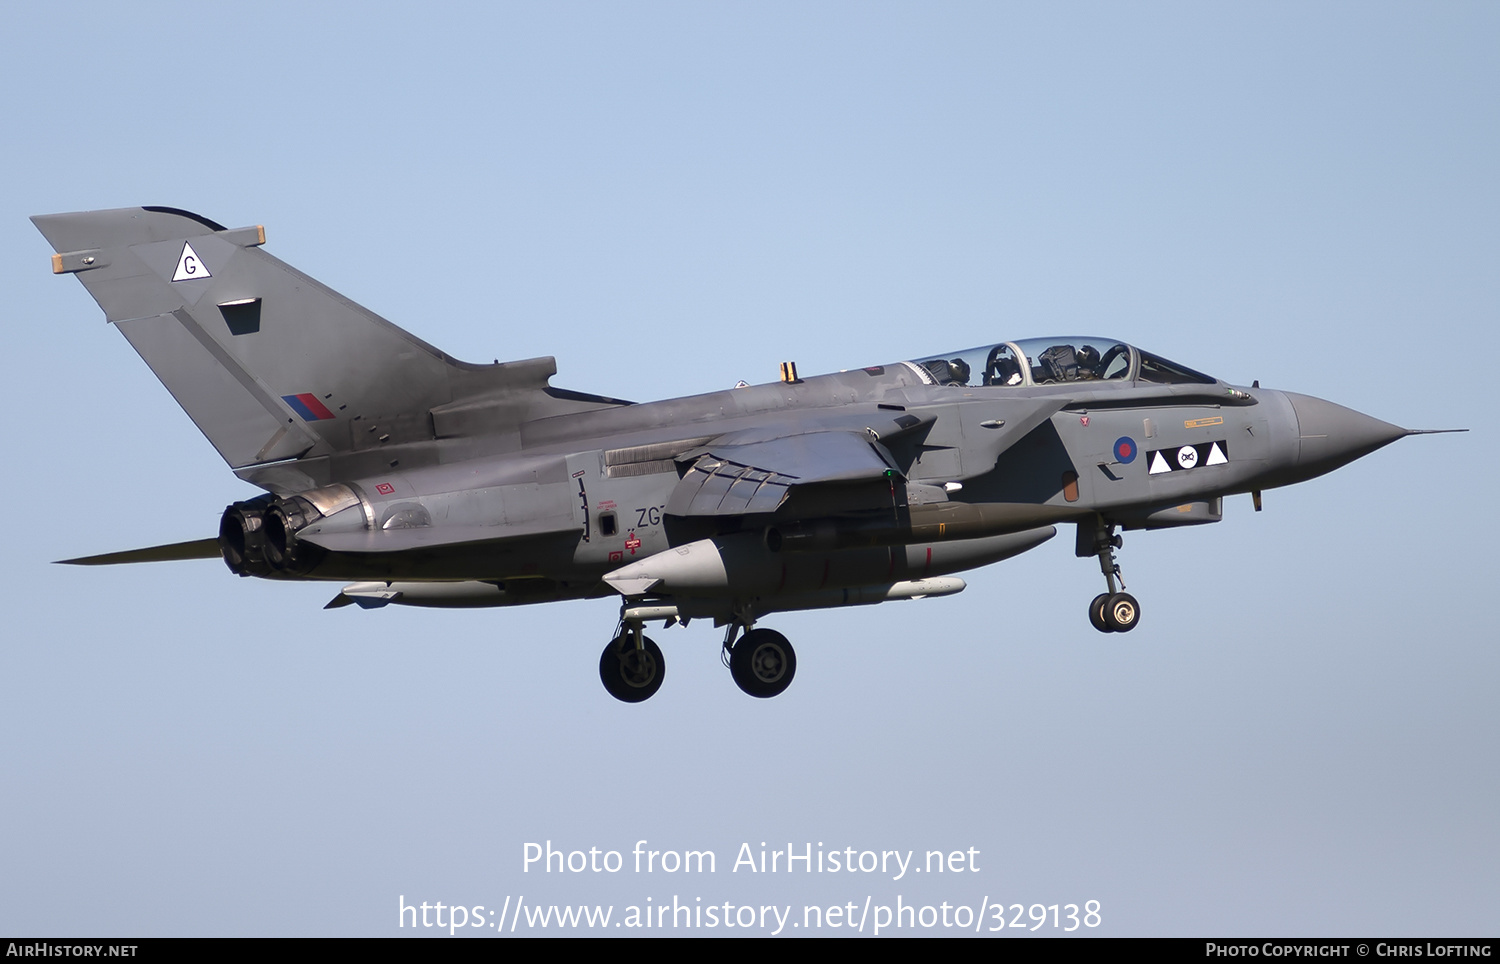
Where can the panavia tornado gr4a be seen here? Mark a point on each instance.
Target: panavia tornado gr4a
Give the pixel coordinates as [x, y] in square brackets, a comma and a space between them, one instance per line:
[425, 481]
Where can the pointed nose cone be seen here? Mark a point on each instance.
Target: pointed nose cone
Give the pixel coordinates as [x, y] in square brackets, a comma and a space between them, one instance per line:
[1331, 435]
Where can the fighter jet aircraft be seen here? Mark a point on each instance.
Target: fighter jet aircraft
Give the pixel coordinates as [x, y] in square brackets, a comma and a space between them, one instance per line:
[422, 480]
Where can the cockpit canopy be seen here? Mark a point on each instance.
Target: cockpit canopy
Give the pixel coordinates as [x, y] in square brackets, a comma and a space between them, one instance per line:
[1055, 361]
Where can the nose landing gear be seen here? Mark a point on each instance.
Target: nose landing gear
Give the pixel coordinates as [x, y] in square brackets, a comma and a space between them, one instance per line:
[1115, 611]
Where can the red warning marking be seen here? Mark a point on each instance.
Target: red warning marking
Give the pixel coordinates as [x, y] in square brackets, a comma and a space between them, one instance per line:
[632, 543]
[617, 556]
[385, 488]
[1085, 420]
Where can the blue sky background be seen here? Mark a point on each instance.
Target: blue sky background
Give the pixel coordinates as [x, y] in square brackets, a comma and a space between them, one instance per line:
[1300, 739]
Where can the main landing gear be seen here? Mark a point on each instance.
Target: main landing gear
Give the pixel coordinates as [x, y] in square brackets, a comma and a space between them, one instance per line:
[632, 668]
[762, 662]
[1115, 611]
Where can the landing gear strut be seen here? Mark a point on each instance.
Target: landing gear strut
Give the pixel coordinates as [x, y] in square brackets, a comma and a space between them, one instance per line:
[762, 662]
[631, 666]
[1115, 611]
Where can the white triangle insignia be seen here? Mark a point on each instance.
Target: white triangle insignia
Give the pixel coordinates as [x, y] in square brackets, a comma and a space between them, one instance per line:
[190, 267]
[1216, 455]
[1158, 464]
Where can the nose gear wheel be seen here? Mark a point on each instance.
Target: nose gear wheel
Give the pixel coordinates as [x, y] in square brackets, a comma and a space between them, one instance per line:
[1122, 612]
[1096, 613]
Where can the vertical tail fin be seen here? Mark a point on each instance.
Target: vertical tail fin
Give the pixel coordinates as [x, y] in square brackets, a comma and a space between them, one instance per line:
[269, 364]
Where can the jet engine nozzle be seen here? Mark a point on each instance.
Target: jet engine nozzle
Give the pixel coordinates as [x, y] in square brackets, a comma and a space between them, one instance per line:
[242, 538]
[284, 551]
[286, 516]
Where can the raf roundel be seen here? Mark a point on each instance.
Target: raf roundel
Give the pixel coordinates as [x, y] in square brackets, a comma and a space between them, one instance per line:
[1125, 450]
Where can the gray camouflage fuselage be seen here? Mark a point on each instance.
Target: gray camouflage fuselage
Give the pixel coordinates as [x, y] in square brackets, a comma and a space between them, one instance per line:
[431, 481]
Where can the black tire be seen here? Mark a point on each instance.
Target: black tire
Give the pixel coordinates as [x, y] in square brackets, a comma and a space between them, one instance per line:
[763, 663]
[1122, 612]
[632, 675]
[1096, 613]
